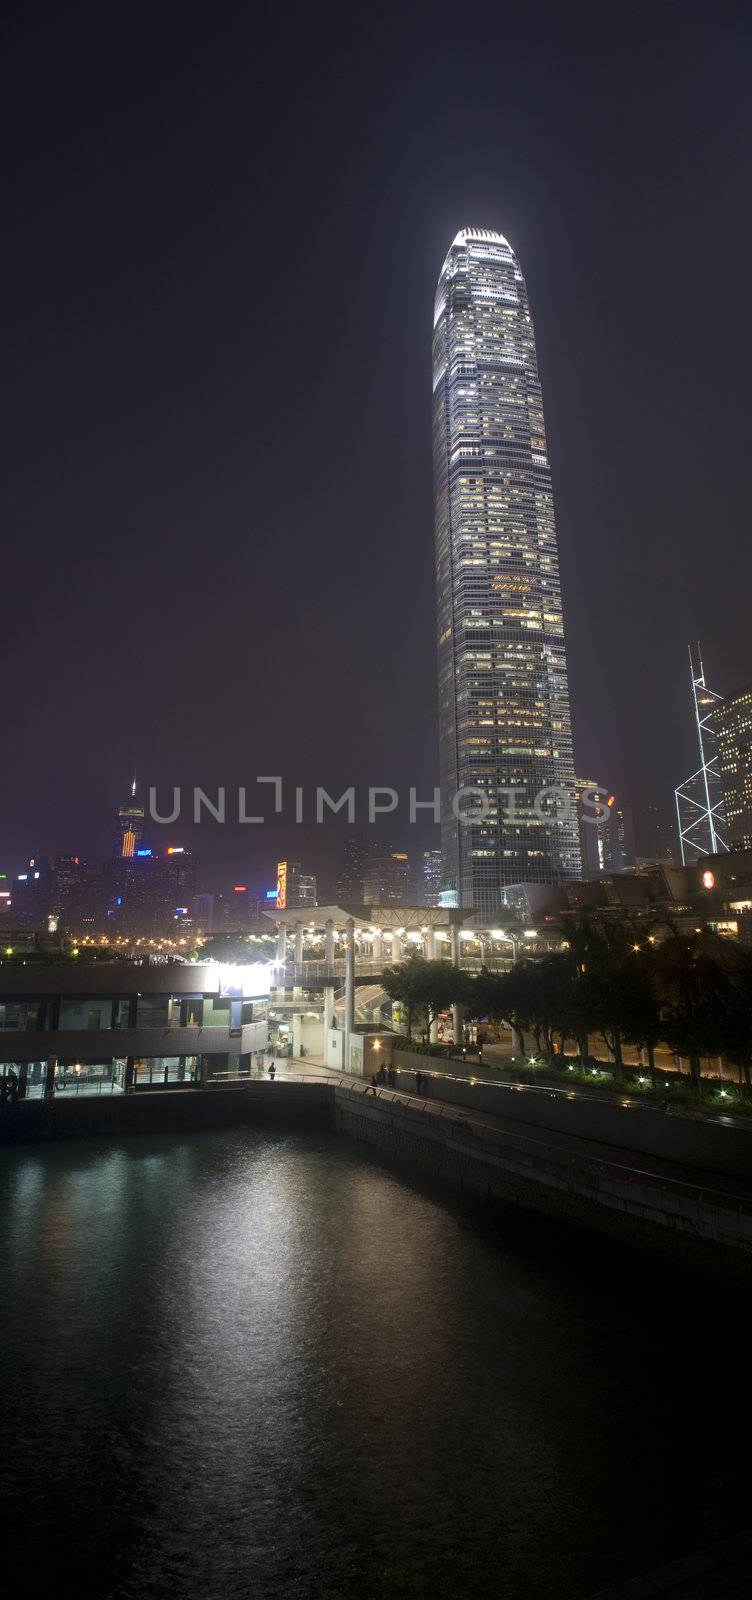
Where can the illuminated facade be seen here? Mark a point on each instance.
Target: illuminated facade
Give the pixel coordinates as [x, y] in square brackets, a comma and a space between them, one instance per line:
[503, 692]
[386, 877]
[700, 811]
[294, 888]
[732, 721]
[430, 885]
[104, 1029]
[130, 826]
[606, 835]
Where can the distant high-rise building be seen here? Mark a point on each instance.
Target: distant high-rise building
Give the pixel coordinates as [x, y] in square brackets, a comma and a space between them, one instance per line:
[699, 800]
[239, 911]
[732, 722]
[430, 885]
[656, 835]
[76, 894]
[386, 878]
[593, 817]
[130, 826]
[606, 836]
[294, 887]
[203, 912]
[350, 870]
[503, 691]
[149, 895]
[33, 893]
[625, 835]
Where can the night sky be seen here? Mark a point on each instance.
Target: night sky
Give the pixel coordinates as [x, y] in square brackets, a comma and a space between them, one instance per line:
[222, 231]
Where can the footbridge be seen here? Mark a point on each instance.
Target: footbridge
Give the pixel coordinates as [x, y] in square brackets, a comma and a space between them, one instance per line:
[330, 960]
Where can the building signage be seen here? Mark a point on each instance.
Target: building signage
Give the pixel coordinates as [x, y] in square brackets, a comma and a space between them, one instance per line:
[250, 981]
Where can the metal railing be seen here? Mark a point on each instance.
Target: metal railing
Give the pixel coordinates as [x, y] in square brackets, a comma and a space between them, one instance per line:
[468, 1124]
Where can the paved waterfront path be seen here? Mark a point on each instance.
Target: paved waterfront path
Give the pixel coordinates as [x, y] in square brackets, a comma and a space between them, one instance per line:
[658, 1169]
[722, 1572]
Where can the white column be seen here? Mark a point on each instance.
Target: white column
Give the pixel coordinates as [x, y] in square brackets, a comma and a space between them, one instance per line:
[349, 989]
[329, 943]
[433, 1032]
[328, 1008]
[396, 947]
[378, 948]
[454, 945]
[298, 955]
[282, 942]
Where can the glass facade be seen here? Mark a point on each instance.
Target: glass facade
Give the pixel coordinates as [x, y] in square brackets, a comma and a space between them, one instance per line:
[132, 1025]
[505, 727]
[161, 1070]
[34, 1079]
[732, 725]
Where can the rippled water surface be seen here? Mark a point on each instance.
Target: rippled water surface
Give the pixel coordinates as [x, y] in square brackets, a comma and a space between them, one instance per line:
[256, 1364]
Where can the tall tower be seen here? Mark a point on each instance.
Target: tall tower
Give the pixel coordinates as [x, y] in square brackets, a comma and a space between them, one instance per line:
[700, 814]
[503, 692]
[733, 728]
[130, 826]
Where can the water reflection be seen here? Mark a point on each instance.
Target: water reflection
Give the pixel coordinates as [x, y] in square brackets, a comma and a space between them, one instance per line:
[245, 1363]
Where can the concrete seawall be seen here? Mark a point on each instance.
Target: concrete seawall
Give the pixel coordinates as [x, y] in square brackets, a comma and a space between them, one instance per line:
[700, 1224]
[705, 1144]
[167, 1111]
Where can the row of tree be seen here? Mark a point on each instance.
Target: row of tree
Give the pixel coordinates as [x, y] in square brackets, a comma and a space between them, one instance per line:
[689, 991]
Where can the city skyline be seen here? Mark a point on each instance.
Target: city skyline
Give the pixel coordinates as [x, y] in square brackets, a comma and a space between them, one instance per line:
[174, 424]
[375, 1078]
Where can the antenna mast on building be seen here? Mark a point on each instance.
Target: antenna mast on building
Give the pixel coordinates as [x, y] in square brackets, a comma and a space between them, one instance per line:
[699, 800]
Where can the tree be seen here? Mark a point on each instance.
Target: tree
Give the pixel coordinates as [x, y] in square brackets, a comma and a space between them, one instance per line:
[550, 982]
[607, 991]
[612, 986]
[432, 985]
[505, 996]
[642, 1017]
[734, 1028]
[614, 998]
[699, 976]
[575, 937]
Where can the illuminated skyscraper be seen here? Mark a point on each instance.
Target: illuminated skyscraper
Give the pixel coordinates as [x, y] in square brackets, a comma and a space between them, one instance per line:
[386, 877]
[294, 887]
[699, 800]
[503, 693]
[350, 858]
[130, 826]
[732, 721]
[430, 885]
